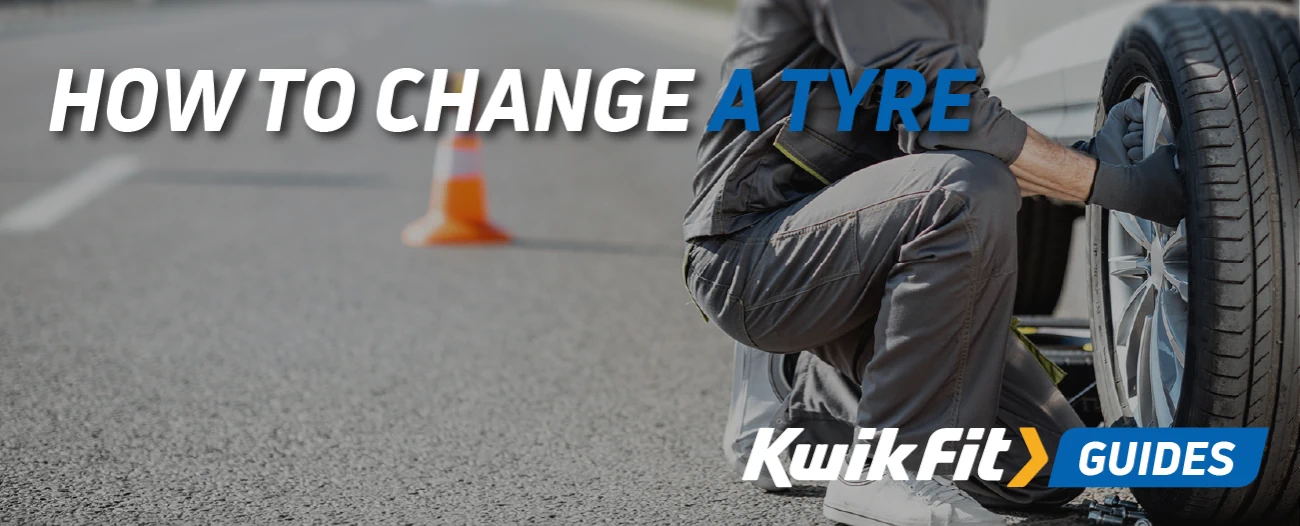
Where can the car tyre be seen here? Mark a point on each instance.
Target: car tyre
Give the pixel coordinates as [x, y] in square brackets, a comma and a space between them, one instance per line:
[1228, 76]
[1044, 232]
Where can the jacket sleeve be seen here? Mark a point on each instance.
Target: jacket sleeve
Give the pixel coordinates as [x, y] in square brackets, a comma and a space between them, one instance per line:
[917, 35]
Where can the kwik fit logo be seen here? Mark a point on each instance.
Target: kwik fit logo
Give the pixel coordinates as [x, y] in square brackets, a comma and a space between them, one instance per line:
[1085, 457]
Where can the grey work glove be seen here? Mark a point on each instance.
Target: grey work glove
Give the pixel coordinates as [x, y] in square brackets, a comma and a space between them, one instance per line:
[1120, 139]
[1151, 189]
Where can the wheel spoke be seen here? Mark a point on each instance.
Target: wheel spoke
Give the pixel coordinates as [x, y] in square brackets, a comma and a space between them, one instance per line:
[1139, 307]
[1175, 260]
[1177, 242]
[1140, 396]
[1157, 130]
[1173, 325]
[1170, 341]
[1138, 229]
[1130, 267]
[1161, 409]
[1130, 335]
[1176, 275]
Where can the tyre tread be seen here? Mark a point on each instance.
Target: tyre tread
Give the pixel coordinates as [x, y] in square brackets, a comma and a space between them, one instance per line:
[1236, 73]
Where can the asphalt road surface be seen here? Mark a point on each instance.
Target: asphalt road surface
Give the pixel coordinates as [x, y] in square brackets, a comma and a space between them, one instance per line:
[231, 331]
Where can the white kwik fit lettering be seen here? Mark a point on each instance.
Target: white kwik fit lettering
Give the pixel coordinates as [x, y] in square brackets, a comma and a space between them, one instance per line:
[889, 458]
[825, 462]
[767, 453]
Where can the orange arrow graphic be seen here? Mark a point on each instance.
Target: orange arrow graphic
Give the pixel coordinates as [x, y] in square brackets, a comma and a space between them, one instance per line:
[1037, 458]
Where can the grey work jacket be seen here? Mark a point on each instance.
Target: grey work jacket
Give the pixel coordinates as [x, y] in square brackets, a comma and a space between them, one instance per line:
[743, 174]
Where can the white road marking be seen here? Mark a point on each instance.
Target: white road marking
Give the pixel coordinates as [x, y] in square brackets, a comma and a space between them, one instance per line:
[47, 209]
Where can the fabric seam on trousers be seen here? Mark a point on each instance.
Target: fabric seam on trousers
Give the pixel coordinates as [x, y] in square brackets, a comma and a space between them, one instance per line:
[963, 353]
[787, 233]
[731, 242]
[700, 277]
[744, 325]
[793, 294]
[826, 223]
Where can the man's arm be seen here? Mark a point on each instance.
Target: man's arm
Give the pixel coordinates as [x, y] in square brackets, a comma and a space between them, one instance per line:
[1118, 179]
[1047, 168]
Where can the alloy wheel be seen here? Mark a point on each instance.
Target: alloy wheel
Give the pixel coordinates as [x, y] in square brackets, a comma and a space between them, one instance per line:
[1147, 268]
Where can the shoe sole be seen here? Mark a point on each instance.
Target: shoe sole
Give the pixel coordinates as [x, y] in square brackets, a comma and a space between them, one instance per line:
[850, 518]
[854, 519]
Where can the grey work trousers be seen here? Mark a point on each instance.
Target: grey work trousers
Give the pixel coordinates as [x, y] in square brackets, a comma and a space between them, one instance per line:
[898, 281]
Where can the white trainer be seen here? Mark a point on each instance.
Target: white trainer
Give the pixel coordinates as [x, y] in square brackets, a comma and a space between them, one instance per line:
[889, 502]
[758, 388]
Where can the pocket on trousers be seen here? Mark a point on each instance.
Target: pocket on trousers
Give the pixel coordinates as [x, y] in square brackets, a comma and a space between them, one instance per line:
[803, 289]
[797, 261]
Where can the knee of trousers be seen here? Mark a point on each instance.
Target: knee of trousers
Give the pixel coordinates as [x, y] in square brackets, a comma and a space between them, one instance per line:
[991, 193]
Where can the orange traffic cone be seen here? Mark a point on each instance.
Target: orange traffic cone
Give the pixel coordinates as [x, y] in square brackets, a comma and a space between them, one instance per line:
[458, 202]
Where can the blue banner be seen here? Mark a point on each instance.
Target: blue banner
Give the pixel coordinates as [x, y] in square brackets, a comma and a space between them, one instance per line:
[1158, 457]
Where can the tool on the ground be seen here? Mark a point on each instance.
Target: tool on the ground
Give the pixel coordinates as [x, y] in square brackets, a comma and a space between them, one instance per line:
[1115, 501]
[458, 200]
[1114, 511]
[1097, 517]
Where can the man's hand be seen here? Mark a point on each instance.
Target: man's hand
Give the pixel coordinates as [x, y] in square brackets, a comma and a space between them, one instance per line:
[1151, 189]
[1120, 139]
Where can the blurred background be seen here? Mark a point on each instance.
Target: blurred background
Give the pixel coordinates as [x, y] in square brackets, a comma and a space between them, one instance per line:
[230, 330]
[234, 332]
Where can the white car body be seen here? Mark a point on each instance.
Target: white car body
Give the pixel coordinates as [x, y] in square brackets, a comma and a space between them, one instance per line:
[1045, 59]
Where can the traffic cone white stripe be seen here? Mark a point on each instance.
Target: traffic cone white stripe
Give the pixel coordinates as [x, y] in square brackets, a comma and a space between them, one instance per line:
[456, 163]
